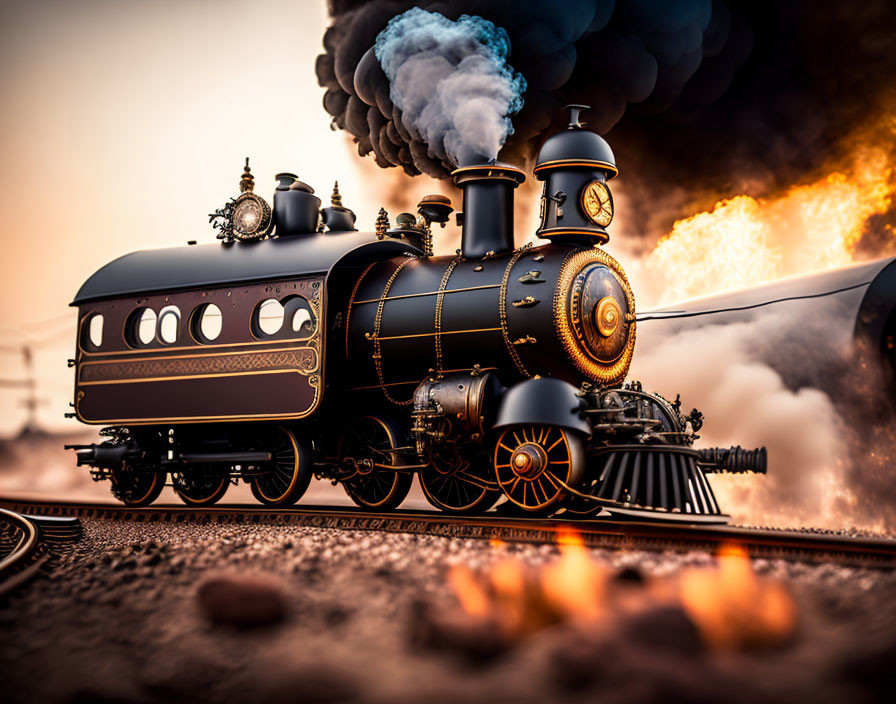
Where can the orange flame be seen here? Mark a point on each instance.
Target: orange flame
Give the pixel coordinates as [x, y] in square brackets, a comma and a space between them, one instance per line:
[469, 591]
[745, 241]
[574, 585]
[733, 608]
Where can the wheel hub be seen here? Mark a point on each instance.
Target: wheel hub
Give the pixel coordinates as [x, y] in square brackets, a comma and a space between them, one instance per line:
[528, 461]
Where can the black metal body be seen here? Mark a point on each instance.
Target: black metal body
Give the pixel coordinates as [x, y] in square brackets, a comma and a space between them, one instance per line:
[445, 314]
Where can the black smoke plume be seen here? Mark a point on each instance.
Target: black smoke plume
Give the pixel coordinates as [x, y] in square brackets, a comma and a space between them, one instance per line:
[698, 92]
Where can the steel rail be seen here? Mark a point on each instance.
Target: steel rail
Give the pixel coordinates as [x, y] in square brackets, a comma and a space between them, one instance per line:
[25, 545]
[17, 566]
[595, 532]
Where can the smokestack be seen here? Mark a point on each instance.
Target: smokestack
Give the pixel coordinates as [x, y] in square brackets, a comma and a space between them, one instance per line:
[487, 218]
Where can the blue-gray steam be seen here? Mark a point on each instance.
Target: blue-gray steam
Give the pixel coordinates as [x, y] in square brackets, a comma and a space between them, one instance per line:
[451, 82]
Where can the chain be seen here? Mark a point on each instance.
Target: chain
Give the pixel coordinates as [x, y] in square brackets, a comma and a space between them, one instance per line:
[502, 307]
[351, 302]
[377, 352]
[439, 299]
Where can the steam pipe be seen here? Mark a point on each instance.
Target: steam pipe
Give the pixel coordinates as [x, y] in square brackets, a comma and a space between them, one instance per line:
[487, 218]
[735, 459]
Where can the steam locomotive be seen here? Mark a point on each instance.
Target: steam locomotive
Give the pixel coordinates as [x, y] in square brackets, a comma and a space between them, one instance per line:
[302, 348]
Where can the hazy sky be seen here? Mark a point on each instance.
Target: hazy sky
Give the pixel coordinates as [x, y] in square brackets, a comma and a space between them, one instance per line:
[123, 124]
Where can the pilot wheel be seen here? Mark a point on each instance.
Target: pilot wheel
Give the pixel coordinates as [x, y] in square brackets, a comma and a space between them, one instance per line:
[289, 473]
[535, 464]
[134, 486]
[200, 484]
[458, 484]
[366, 455]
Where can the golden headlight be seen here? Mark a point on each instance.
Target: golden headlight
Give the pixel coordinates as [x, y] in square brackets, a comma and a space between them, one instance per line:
[607, 316]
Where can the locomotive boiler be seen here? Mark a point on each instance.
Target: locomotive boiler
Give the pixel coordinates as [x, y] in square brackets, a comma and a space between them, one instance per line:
[302, 348]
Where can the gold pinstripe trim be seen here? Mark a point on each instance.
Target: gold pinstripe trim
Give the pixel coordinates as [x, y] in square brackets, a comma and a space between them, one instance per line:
[211, 419]
[162, 358]
[144, 380]
[427, 293]
[427, 334]
[601, 237]
[594, 163]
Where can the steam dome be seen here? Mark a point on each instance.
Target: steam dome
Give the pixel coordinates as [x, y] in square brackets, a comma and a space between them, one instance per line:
[575, 147]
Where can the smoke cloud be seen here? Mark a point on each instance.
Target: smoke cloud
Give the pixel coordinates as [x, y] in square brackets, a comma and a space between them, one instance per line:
[700, 99]
[451, 84]
[771, 381]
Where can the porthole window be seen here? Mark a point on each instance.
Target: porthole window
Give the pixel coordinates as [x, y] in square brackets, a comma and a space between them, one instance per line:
[169, 324]
[141, 327]
[301, 320]
[301, 317]
[95, 330]
[207, 322]
[269, 317]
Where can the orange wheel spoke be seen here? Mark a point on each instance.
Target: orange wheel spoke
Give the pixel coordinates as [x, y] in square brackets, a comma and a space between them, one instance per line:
[559, 440]
[552, 479]
[535, 487]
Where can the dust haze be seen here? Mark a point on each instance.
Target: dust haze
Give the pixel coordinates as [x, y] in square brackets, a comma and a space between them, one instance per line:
[821, 413]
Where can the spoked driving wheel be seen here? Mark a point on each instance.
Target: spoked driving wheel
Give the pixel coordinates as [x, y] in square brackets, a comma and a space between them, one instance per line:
[288, 475]
[366, 453]
[535, 463]
[458, 484]
[136, 486]
[200, 484]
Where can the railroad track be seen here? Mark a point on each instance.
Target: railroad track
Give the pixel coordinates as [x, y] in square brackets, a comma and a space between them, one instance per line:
[603, 533]
[25, 542]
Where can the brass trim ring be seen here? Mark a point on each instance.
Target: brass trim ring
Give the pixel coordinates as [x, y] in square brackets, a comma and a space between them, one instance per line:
[607, 374]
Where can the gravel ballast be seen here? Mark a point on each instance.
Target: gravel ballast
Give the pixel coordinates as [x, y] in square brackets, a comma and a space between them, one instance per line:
[140, 612]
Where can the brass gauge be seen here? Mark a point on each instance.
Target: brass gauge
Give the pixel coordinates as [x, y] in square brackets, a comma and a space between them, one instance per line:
[252, 216]
[597, 203]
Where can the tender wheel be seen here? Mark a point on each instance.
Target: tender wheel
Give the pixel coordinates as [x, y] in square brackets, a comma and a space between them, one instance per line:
[534, 462]
[200, 484]
[137, 487]
[457, 484]
[366, 443]
[289, 472]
